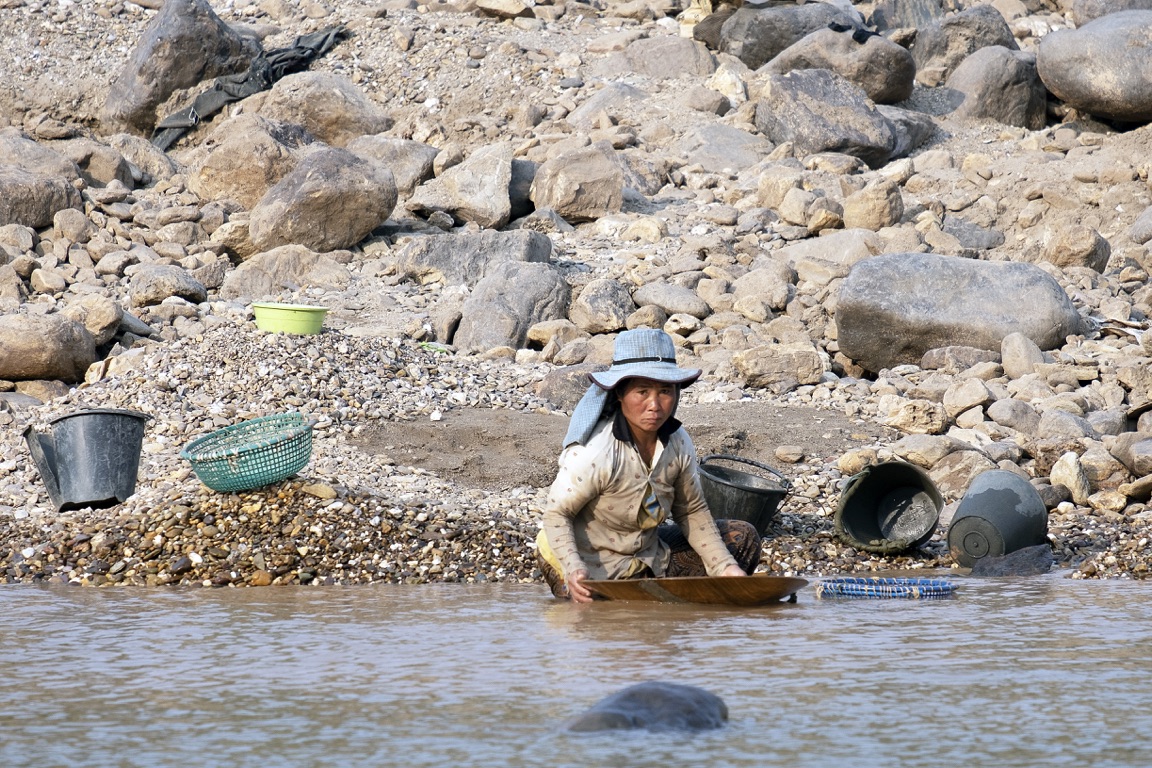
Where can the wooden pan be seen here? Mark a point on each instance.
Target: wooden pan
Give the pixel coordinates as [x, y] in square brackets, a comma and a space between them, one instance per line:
[715, 590]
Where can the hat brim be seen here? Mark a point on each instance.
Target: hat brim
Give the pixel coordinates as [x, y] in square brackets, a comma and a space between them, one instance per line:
[663, 372]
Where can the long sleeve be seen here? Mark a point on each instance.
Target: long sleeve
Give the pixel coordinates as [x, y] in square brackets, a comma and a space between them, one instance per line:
[578, 481]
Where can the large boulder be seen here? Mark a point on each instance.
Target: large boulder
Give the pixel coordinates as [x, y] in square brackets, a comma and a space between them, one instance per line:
[820, 111]
[1000, 84]
[244, 157]
[581, 185]
[18, 150]
[289, 267]
[465, 259]
[663, 57]
[185, 44]
[411, 162]
[44, 347]
[475, 190]
[941, 47]
[330, 107]
[720, 148]
[31, 199]
[1084, 11]
[882, 68]
[654, 706]
[756, 35]
[330, 201]
[895, 307]
[1103, 68]
[512, 298]
[152, 283]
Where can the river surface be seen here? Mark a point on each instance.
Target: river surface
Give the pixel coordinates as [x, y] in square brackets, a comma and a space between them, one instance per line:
[1029, 672]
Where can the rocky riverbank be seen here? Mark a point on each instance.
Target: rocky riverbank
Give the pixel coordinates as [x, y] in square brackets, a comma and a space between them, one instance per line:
[503, 187]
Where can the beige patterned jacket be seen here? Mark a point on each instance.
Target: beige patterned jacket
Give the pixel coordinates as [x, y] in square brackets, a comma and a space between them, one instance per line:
[594, 518]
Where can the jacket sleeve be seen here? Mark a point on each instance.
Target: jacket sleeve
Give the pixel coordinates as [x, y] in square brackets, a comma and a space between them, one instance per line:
[578, 481]
[690, 512]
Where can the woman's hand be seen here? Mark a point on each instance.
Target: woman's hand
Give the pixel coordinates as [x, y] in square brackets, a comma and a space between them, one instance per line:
[576, 589]
[733, 570]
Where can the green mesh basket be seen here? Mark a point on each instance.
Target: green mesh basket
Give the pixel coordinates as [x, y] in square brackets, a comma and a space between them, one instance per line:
[252, 453]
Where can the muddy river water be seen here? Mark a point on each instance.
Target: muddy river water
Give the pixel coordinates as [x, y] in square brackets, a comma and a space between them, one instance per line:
[1028, 672]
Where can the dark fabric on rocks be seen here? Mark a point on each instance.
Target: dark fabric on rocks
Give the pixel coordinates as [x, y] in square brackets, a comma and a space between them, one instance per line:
[266, 69]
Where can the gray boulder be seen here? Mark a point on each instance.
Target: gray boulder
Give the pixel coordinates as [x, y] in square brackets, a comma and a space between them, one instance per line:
[146, 156]
[672, 298]
[244, 157]
[100, 316]
[512, 298]
[663, 56]
[17, 150]
[882, 68]
[1103, 68]
[654, 706]
[466, 258]
[581, 185]
[999, 84]
[1141, 230]
[330, 107]
[409, 161]
[603, 306]
[609, 99]
[756, 35]
[820, 111]
[722, 149]
[31, 199]
[185, 44]
[941, 47]
[909, 128]
[44, 347]
[895, 307]
[1029, 561]
[330, 201]
[1084, 11]
[908, 14]
[287, 268]
[152, 283]
[475, 190]
[99, 164]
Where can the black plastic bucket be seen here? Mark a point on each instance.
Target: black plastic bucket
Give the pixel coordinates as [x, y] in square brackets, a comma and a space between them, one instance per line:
[733, 494]
[91, 457]
[1000, 513]
[888, 508]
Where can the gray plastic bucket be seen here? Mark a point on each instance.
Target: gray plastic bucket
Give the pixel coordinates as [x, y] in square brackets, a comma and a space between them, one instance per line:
[1000, 513]
[888, 508]
[733, 494]
[90, 458]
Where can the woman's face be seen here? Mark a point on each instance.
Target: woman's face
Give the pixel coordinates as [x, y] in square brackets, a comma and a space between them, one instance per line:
[647, 404]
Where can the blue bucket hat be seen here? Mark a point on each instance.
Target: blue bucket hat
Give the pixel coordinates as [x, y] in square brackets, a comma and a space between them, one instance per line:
[643, 353]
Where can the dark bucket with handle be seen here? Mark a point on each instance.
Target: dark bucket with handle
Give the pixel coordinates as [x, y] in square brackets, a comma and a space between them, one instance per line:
[89, 458]
[734, 494]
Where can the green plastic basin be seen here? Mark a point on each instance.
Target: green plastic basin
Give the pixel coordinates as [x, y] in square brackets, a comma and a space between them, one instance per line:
[289, 318]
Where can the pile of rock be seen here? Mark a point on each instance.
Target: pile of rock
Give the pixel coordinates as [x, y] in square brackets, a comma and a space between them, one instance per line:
[798, 194]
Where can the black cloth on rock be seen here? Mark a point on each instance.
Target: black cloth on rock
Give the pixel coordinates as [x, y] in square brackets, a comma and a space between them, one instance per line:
[266, 69]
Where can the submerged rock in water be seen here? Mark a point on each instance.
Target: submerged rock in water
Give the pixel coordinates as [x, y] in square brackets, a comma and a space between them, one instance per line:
[1030, 561]
[655, 706]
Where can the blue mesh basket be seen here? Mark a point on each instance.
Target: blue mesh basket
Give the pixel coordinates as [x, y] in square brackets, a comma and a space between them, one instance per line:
[852, 586]
[252, 453]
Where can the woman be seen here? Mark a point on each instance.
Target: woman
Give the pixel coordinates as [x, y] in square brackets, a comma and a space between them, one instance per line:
[626, 467]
